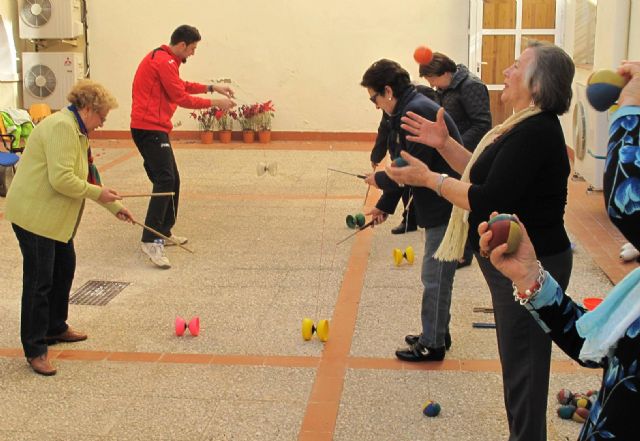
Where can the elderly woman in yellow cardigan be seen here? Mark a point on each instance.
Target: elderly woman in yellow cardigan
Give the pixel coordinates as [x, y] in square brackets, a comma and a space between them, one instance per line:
[44, 205]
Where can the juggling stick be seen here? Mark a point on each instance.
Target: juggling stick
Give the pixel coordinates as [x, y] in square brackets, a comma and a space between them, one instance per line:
[193, 326]
[347, 173]
[364, 227]
[144, 195]
[170, 239]
[483, 325]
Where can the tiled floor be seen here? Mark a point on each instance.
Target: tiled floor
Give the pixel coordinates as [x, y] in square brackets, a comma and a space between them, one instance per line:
[264, 259]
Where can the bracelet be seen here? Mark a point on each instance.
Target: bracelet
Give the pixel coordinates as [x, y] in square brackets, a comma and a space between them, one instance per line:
[441, 179]
[529, 294]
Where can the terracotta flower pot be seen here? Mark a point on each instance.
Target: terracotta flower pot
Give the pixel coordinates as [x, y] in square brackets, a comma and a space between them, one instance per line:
[248, 136]
[206, 137]
[225, 136]
[264, 136]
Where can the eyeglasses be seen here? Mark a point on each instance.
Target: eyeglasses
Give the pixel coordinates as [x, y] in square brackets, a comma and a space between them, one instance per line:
[102, 118]
[374, 97]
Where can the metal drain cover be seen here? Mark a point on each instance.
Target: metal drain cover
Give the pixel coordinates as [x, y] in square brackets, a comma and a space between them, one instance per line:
[97, 292]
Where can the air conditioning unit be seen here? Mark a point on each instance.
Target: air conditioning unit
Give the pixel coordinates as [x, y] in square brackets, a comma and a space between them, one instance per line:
[590, 139]
[40, 19]
[47, 77]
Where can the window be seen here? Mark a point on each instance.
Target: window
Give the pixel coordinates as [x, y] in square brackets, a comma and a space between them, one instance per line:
[585, 32]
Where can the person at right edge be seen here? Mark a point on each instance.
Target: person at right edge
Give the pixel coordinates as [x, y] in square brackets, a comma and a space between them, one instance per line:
[157, 92]
[521, 167]
[608, 337]
[466, 99]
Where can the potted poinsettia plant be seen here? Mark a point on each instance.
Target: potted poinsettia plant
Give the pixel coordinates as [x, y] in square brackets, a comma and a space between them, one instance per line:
[247, 119]
[265, 113]
[206, 122]
[224, 121]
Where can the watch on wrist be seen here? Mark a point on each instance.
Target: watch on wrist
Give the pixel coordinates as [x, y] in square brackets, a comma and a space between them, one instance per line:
[441, 179]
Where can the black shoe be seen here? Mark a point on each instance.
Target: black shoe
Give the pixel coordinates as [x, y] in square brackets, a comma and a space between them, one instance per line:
[462, 263]
[403, 228]
[412, 339]
[419, 352]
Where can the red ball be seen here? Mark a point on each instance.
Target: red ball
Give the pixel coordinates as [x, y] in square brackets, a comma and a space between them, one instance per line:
[505, 229]
[564, 396]
[422, 55]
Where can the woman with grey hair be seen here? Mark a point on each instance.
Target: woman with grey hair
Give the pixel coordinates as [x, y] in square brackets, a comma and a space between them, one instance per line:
[521, 167]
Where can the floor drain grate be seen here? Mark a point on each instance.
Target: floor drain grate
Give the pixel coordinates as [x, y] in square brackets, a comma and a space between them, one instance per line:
[97, 292]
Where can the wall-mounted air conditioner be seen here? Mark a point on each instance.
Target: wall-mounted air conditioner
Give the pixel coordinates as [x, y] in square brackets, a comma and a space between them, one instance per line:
[54, 19]
[590, 138]
[49, 76]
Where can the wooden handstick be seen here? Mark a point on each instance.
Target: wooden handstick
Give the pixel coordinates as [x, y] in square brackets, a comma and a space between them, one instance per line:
[144, 195]
[364, 227]
[170, 239]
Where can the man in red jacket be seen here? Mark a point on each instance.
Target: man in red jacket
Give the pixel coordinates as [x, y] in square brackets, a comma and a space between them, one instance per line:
[157, 92]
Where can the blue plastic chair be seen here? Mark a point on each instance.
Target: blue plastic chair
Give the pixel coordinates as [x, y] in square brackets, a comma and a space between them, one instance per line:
[8, 163]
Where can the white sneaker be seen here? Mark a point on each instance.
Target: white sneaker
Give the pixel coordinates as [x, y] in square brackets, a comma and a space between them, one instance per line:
[155, 251]
[181, 240]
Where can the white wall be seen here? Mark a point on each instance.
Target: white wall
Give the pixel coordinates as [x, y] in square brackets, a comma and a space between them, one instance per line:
[308, 57]
[9, 89]
[634, 31]
[617, 37]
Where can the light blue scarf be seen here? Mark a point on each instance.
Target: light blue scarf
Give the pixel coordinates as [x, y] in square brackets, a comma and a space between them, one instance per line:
[605, 325]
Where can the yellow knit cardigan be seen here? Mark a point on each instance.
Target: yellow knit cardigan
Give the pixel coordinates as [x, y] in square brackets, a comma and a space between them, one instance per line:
[48, 191]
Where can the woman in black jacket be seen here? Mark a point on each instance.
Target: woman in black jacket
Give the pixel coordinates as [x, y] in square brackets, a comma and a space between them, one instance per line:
[390, 89]
[520, 167]
[466, 99]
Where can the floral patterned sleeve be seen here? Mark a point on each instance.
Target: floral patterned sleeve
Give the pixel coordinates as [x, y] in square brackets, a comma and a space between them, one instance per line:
[557, 314]
[622, 173]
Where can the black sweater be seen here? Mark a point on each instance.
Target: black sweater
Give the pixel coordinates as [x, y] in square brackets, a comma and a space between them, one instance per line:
[524, 172]
[467, 101]
[431, 210]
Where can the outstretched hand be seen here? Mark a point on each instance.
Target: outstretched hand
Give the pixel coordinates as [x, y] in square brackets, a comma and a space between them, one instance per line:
[223, 103]
[224, 90]
[429, 133]
[520, 266]
[415, 173]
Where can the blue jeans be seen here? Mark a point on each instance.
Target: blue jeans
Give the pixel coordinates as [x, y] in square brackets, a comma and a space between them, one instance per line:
[47, 275]
[437, 279]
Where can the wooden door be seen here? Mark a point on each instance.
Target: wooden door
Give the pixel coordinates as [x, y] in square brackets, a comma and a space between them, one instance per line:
[500, 31]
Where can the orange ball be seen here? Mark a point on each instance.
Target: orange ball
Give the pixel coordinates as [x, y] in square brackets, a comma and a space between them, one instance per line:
[422, 55]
